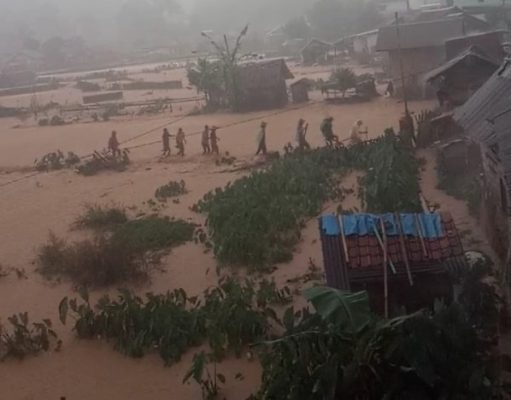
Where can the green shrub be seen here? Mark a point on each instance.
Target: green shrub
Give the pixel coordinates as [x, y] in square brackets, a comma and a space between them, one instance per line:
[466, 187]
[25, 339]
[98, 217]
[99, 262]
[257, 220]
[171, 189]
[153, 233]
[229, 318]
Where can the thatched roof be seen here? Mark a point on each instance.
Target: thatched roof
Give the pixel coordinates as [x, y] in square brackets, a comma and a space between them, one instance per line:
[263, 73]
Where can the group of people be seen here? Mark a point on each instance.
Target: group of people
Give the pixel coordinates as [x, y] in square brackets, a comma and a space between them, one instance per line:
[209, 138]
[180, 142]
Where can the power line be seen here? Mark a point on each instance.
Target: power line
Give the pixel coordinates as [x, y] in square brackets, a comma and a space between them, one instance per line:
[230, 125]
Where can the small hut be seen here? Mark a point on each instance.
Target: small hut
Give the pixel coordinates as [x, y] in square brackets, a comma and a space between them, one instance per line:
[421, 249]
[263, 84]
[300, 91]
[316, 52]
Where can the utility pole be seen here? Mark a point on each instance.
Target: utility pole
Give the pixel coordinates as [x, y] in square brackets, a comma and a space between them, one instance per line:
[408, 5]
[403, 84]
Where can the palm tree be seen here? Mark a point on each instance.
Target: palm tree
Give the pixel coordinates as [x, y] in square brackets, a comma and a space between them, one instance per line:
[229, 59]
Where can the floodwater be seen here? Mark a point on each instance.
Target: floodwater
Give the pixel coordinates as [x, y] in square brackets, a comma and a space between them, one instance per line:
[31, 208]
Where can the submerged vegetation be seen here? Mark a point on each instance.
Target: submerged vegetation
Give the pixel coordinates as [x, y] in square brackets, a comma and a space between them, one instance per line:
[114, 256]
[104, 162]
[171, 189]
[23, 338]
[98, 217]
[257, 220]
[338, 349]
[56, 160]
[97, 262]
[228, 318]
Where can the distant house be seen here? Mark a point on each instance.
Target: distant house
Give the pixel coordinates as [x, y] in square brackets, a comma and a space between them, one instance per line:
[491, 43]
[422, 47]
[422, 249]
[460, 77]
[485, 119]
[263, 84]
[316, 52]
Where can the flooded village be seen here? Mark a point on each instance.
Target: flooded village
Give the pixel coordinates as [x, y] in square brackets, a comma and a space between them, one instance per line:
[290, 200]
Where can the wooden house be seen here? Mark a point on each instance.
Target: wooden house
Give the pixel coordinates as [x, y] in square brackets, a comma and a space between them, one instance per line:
[459, 78]
[262, 84]
[316, 52]
[421, 249]
[420, 47]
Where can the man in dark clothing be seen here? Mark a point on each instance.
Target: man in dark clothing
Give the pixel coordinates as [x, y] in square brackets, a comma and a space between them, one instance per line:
[180, 142]
[214, 140]
[261, 140]
[113, 145]
[166, 143]
[301, 133]
[205, 140]
[327, 130]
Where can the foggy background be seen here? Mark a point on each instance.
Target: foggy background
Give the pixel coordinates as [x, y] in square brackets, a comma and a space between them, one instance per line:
[126, 25]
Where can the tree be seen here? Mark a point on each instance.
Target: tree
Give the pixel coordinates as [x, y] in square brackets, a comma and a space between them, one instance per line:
[297, 28]
[229, 57]
[206, 76]
[344, 79]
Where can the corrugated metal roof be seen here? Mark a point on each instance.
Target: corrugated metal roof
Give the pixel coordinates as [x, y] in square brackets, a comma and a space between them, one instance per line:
[422, 34]
[502, 132]
[475, 114]
[471, 54]
[364, 257]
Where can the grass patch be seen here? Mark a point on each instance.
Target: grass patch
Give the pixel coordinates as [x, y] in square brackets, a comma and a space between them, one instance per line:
[171, 189]
[98, 217]
[153, 233]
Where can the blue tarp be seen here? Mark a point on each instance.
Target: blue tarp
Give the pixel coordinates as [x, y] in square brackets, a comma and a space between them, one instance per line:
[364, 224]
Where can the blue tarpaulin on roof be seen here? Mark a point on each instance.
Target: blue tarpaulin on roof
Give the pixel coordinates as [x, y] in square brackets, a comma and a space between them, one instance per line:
[428, 225]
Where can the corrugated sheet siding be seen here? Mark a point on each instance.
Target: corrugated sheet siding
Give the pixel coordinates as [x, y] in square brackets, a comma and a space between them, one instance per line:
[473, 116]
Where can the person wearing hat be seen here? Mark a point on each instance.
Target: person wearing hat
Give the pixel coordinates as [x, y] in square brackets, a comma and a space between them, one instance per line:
[327, 129]
[301, 133]
[261, 140]
[213, 138]
[180, 142]
[205, 141]
[166, 143]
[356, 132]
